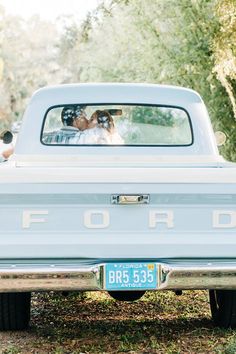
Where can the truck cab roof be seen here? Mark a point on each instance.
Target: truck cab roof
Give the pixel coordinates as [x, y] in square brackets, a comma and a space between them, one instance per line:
[29, 143]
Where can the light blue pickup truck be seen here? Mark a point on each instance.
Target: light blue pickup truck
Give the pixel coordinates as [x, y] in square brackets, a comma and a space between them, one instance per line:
[118, 188]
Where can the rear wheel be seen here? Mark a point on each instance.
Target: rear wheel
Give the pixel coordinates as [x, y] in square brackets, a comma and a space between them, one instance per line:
[126, 295]
[223, 307]
[14, 311]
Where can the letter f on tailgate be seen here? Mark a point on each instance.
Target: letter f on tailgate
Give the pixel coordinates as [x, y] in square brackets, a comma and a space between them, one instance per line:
[27, 218]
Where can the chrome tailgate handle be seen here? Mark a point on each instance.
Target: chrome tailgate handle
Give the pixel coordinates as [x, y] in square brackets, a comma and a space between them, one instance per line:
[130, 199]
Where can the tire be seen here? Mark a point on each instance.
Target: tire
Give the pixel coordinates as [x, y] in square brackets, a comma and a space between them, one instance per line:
[223, 307]
[126, 295]
[14, 311]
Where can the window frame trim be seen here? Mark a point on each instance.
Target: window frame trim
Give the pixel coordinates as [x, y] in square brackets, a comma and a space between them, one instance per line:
[119, 145]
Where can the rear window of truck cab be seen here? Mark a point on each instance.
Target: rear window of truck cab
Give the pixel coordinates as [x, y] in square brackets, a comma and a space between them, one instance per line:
[116, 124]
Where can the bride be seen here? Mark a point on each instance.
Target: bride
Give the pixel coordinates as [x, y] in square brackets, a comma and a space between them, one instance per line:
[101, 130]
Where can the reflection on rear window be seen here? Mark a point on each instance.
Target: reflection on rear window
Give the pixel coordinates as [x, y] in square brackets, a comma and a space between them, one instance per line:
[117, 125]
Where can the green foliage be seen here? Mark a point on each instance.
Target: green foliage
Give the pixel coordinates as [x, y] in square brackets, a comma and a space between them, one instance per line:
[190, 43]
[148, 115]
[166, 42]
[28, 51]
[224, 44]
[224, 54]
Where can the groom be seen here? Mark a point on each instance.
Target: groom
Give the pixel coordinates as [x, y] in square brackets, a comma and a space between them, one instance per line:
[74, 120]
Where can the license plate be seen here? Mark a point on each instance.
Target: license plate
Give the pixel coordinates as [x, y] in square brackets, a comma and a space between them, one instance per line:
[130, 276]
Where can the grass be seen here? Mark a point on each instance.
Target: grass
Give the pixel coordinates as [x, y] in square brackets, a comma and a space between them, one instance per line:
[11, 350]
[160, 322]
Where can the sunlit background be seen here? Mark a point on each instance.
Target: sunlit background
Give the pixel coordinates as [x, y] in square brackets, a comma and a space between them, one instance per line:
[190, 43]
[49, 9]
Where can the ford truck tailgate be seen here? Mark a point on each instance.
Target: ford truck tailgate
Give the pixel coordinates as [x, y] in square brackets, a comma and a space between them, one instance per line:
[87, 221]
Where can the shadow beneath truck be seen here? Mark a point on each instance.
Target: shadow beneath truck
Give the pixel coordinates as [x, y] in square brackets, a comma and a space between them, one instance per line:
[94, 322]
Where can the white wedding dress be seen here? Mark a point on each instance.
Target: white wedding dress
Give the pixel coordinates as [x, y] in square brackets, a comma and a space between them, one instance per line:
[99, 136]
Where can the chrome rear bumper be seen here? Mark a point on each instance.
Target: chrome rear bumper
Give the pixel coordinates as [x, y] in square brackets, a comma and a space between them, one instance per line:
[174, 275]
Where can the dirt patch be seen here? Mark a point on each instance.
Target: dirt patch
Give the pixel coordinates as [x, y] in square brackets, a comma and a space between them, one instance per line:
[160, 322]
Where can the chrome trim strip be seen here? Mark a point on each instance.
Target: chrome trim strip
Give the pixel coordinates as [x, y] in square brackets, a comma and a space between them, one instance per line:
[177, 275]
[18, 278]
[198, 276]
